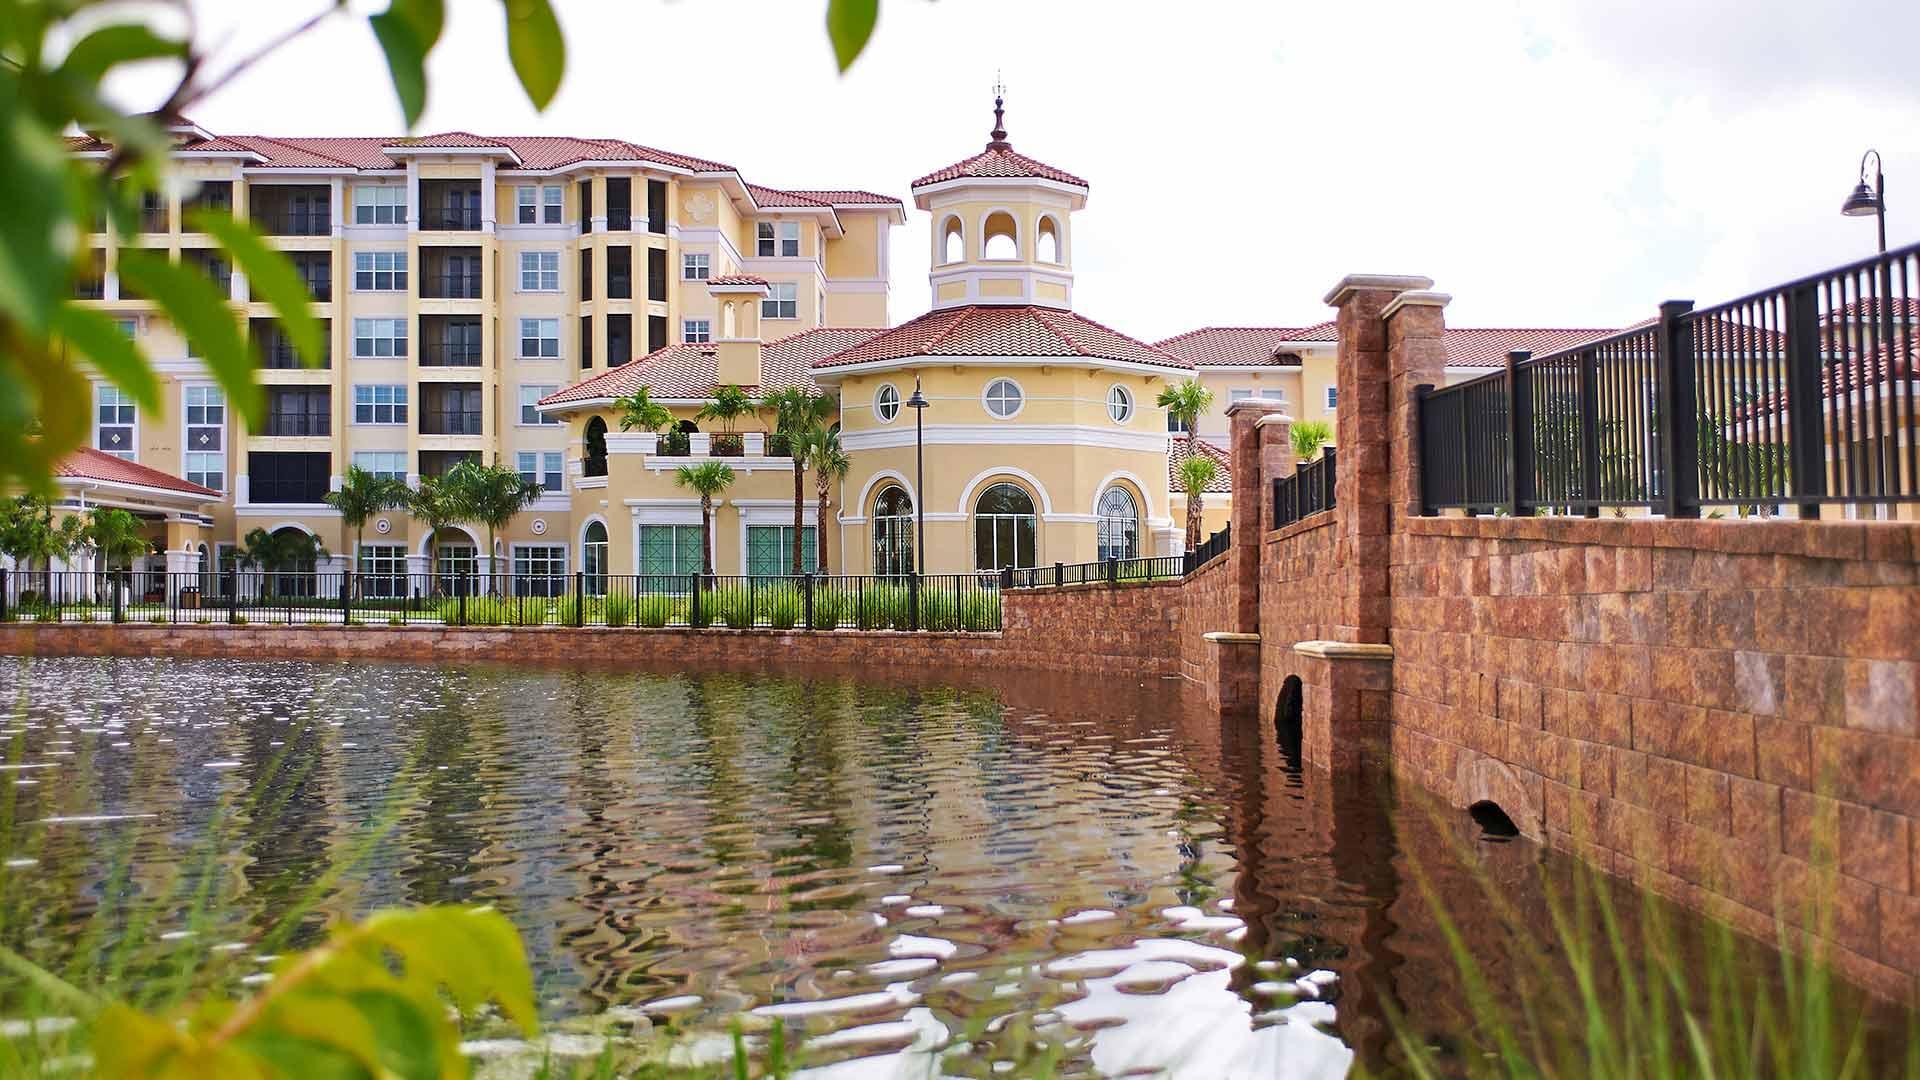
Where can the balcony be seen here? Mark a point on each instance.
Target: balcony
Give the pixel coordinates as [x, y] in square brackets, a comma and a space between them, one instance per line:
[450, 274]
[270, 344]
[212, 197]
[450, 422]
[93, 284]
[450, 409]
[447, 341]
[292, 209]
[619, 204]
[449, 205]
[299, 411]
[316, 269]
[154, 217]
[212, 266]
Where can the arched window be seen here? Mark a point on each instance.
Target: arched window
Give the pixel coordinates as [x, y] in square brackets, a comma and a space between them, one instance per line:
[1002, 236]
[1003, 398]
[596, 440]
[886, 402]
[1119, 525]
[593, 558]
[953, 247]
[292, 573]
[1119, 404]
[1046, 246]
[1005, 528]
[893, 532]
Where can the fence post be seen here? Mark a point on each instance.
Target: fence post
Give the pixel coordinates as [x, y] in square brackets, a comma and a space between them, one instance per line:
[1587, 386]
[1679, 413]
[807, 601]
[1520, 474]
[1006, 577]
[1059, 574]
[693, 607]
[233, 597]
[1420, 393]
[1806, 443]
[464, 585]
[346, 597]
[913, 601]
[3, 592]
[579, 598]
[959, 604]
[1113, 570]
[1466, 455]
[119, 607]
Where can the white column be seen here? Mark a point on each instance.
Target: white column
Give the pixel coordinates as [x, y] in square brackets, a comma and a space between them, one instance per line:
[756, 444]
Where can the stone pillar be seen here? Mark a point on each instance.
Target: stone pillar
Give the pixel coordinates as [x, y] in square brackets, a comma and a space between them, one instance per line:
[1416, 355]
[1247, 442]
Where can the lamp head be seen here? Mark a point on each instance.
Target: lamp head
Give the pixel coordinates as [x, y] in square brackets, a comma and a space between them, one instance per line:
[1863, 202]
[918, 400]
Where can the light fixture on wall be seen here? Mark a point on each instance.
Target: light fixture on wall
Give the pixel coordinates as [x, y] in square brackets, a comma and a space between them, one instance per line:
[918, 403]
[1867, 200]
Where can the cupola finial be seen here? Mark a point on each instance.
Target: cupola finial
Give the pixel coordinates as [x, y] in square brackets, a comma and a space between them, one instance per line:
[999, 133]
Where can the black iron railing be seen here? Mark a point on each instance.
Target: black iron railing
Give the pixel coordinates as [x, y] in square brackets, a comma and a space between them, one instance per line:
[450, 421]
[450, 354]
[1796, 396]
[450, 218]
[293, 221]
[1308, 491]
[1212, 548]
[960, 603]
[450, 286]
[1107, 571]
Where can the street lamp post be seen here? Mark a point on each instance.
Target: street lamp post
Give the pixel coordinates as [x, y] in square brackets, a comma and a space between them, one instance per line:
[1865, 200]
[918, 403]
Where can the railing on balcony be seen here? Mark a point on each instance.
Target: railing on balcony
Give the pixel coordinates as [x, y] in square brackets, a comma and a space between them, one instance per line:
[450, 354]
[1308, 491]
[450, 218]
[450, 286]
[293, 220]
[449, 421]
[298, 423]
[90, 288]
[1800, 396]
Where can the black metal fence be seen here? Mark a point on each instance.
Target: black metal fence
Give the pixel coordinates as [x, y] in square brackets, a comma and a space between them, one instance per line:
[1799, 396]
[1211, 548]
[947, 602]
[1308, 491]
[1106, 571]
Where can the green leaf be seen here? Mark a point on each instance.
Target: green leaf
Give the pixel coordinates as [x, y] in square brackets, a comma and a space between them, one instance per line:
[849, 26]
[201, 313]
[407, 32]
[94, 55]
[538, 51]
[96, 336]
[270, 277]
[35, 273]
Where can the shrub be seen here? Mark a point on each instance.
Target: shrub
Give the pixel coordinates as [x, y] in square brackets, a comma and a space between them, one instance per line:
[880, 607]
[395, 620]
[938, 610]
[157, 618]
[618, 610]
[830, 607]
[783, 606]
[734, 608]
[982, 611]
[202, 621]
[653, 610]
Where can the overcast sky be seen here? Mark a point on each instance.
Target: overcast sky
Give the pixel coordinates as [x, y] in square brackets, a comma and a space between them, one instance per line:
[1548, 162]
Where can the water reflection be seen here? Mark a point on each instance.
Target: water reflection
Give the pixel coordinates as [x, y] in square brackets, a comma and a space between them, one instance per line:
[889, 867]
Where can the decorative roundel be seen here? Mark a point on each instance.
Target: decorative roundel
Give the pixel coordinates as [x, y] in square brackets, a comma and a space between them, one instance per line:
[539, 526]
[383, 526]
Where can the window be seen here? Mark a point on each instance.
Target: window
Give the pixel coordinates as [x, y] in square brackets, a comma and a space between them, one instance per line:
[1333, 397]
[1265, 393]
[380, 404]
[1005, 528]
[287, 477]
[539, 570]
[886, 403]
[1175, 425]
[782, 301]
[379, 337]
[539, 339]
[380, 271]
[383, 570]
[586, 341]
[1119, 527]
[695, 267]
[530, 401]
[117, 416]
[539, 271]
[619, 272]
[593, 558]
[893, 532]
[696, 331]
[770, 550]
[1003, 398]
[383, 464]
[206, 416]
[778, 239]
[539, 205]
[129, 327]
[299, 410]
[379, 205]
[669, 549]
[455, 563]
[543, 467]
[596, 448]
[1119, 404]
[657, 274]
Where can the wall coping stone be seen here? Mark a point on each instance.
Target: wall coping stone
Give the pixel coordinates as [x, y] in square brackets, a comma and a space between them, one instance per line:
[1891, 541]
[1228, 637]
[1260, 405]
[1416, 298]
[1269, 420]
[1319, 519]
[1343, 650]
[1393, 282]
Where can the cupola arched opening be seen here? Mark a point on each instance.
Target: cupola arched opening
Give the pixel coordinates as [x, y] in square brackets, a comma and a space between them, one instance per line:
[1046, 245]
[1000, 236]
[953, 247]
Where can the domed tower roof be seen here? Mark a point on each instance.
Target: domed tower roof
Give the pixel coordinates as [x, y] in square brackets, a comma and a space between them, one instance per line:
[999, 161]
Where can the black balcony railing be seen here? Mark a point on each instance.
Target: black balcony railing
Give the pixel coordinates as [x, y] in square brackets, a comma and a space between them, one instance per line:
[450, 354]
[1797, 396]
[90, 289]
[1211, 548]
[449, 421]
[298, 423]
[1105, 571]
[450, 286]
[293, 220]
[450, 218]
[1308, 491]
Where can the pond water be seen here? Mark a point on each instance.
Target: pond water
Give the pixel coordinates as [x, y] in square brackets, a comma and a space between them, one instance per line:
[885, 867]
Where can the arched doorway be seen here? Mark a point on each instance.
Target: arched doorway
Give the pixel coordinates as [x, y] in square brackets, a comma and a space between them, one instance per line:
[595, 463]
[1288, 719]
[1006, 530]
[593, 558]
[893, 532]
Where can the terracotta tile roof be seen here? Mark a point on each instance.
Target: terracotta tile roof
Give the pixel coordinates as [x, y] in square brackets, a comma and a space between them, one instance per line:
[999, 162]
[1487, 347]
[1014, 330]
[1177, 453]
[847, 197]
[737, 279]
[1235, 346]
[774, 197]
[1900, 307]
[536, 152]
[87, 463]
[687, 371]
[450, 139]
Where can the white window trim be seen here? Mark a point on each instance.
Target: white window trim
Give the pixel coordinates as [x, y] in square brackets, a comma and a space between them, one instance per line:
[706, 332]
[773, 297]
[522, 403]
[1329, 396]
[988, 409]
[521, 341]
[97, 388]
[514, 549]
[186, 451]
[899, 403]
[353, 332]
[685, 266]
[400, 206]
[402, 267]
[353, 405]
[559, 272]
[1127, 395]
[401, 454]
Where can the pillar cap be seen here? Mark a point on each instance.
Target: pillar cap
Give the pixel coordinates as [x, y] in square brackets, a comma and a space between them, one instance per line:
[1273, 419]
[1343, 650]
[1416, 298]
[1230, 638]
[1260, 405]
[1398, 283]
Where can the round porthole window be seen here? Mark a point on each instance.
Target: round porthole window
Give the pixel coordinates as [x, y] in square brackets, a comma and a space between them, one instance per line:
[886, 402]
[383, 526]
[539, 526]
[1119, 404]
[1003, 398]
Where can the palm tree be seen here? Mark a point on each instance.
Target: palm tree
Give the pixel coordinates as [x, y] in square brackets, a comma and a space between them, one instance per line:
[1196, 474]
[437, 503]
[491, 495]
[1308, 436]
[117, 536]
[729, 404]
[798, 414]
[639, 412]
[707, 479]
[830, 465]
[1186, 402]
[279, 552]
[362, 495]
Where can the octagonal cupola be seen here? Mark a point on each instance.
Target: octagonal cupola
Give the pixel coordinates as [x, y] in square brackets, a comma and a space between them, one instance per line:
[1001, 230]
